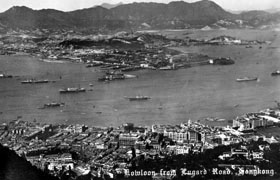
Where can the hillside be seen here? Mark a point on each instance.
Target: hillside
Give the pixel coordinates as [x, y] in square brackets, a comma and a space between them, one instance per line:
[177, 14]
[16, 168]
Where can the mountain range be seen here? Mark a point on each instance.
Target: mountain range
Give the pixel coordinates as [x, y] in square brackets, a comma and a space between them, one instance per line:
[134, 16]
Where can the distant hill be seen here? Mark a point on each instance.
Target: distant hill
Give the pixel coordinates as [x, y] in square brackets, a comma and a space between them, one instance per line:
[260, 18]
[234, 11]
[273, 10]
[177, 14]
[24, 17]
[110, 6]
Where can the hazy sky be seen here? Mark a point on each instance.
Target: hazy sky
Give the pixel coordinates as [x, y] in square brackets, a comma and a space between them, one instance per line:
[68, 5]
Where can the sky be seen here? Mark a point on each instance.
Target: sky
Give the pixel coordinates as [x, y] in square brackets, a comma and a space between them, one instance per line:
[69, 5]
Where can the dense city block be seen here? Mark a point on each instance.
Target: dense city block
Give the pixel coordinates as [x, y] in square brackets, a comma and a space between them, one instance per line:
[166, 151]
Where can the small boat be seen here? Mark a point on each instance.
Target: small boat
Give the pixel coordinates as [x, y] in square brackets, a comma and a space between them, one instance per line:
[28, 81]
[114, 73]
[72, 90]
[129, 76]
[138, 98]
[275, 73]
[247, 79]
[220, 120]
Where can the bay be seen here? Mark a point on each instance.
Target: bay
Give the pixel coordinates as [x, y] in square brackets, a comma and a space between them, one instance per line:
[176, 96]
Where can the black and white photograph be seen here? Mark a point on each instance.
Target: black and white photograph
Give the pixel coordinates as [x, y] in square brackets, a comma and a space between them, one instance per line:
[140, 89]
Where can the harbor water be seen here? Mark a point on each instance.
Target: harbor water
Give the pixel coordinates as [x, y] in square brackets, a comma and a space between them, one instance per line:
[176, 96]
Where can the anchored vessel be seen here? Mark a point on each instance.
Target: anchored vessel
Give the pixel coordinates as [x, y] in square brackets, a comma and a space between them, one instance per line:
[275, 73]
[41, 81]
[33, 81]
[72, 90]
[52, 104]
[112, 77]
[5, 76]
[138, 98]
[247, 79]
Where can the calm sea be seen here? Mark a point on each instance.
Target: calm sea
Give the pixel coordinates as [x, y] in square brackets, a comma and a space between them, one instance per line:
[176, 96]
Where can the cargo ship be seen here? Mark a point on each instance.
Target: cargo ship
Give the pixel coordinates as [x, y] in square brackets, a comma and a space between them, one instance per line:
[112, 77]
[275, 73]
[5, 76]
[138, 98]
[246, 79]
[41, 81]
[32, 81]
[72, 90]
[221, 61]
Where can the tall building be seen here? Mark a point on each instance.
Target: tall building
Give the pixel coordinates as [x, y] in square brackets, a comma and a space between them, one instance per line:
[128, 140]
[183, 135]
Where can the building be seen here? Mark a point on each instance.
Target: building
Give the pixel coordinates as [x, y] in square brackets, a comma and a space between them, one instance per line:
[251, 121]
[242, 152]
[128, 139]
[177, 135]
[141, 145]
[183, 135]
[182, 149]
[155, 144]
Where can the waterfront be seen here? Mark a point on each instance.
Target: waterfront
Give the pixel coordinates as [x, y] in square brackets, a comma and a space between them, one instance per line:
[192, 93]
